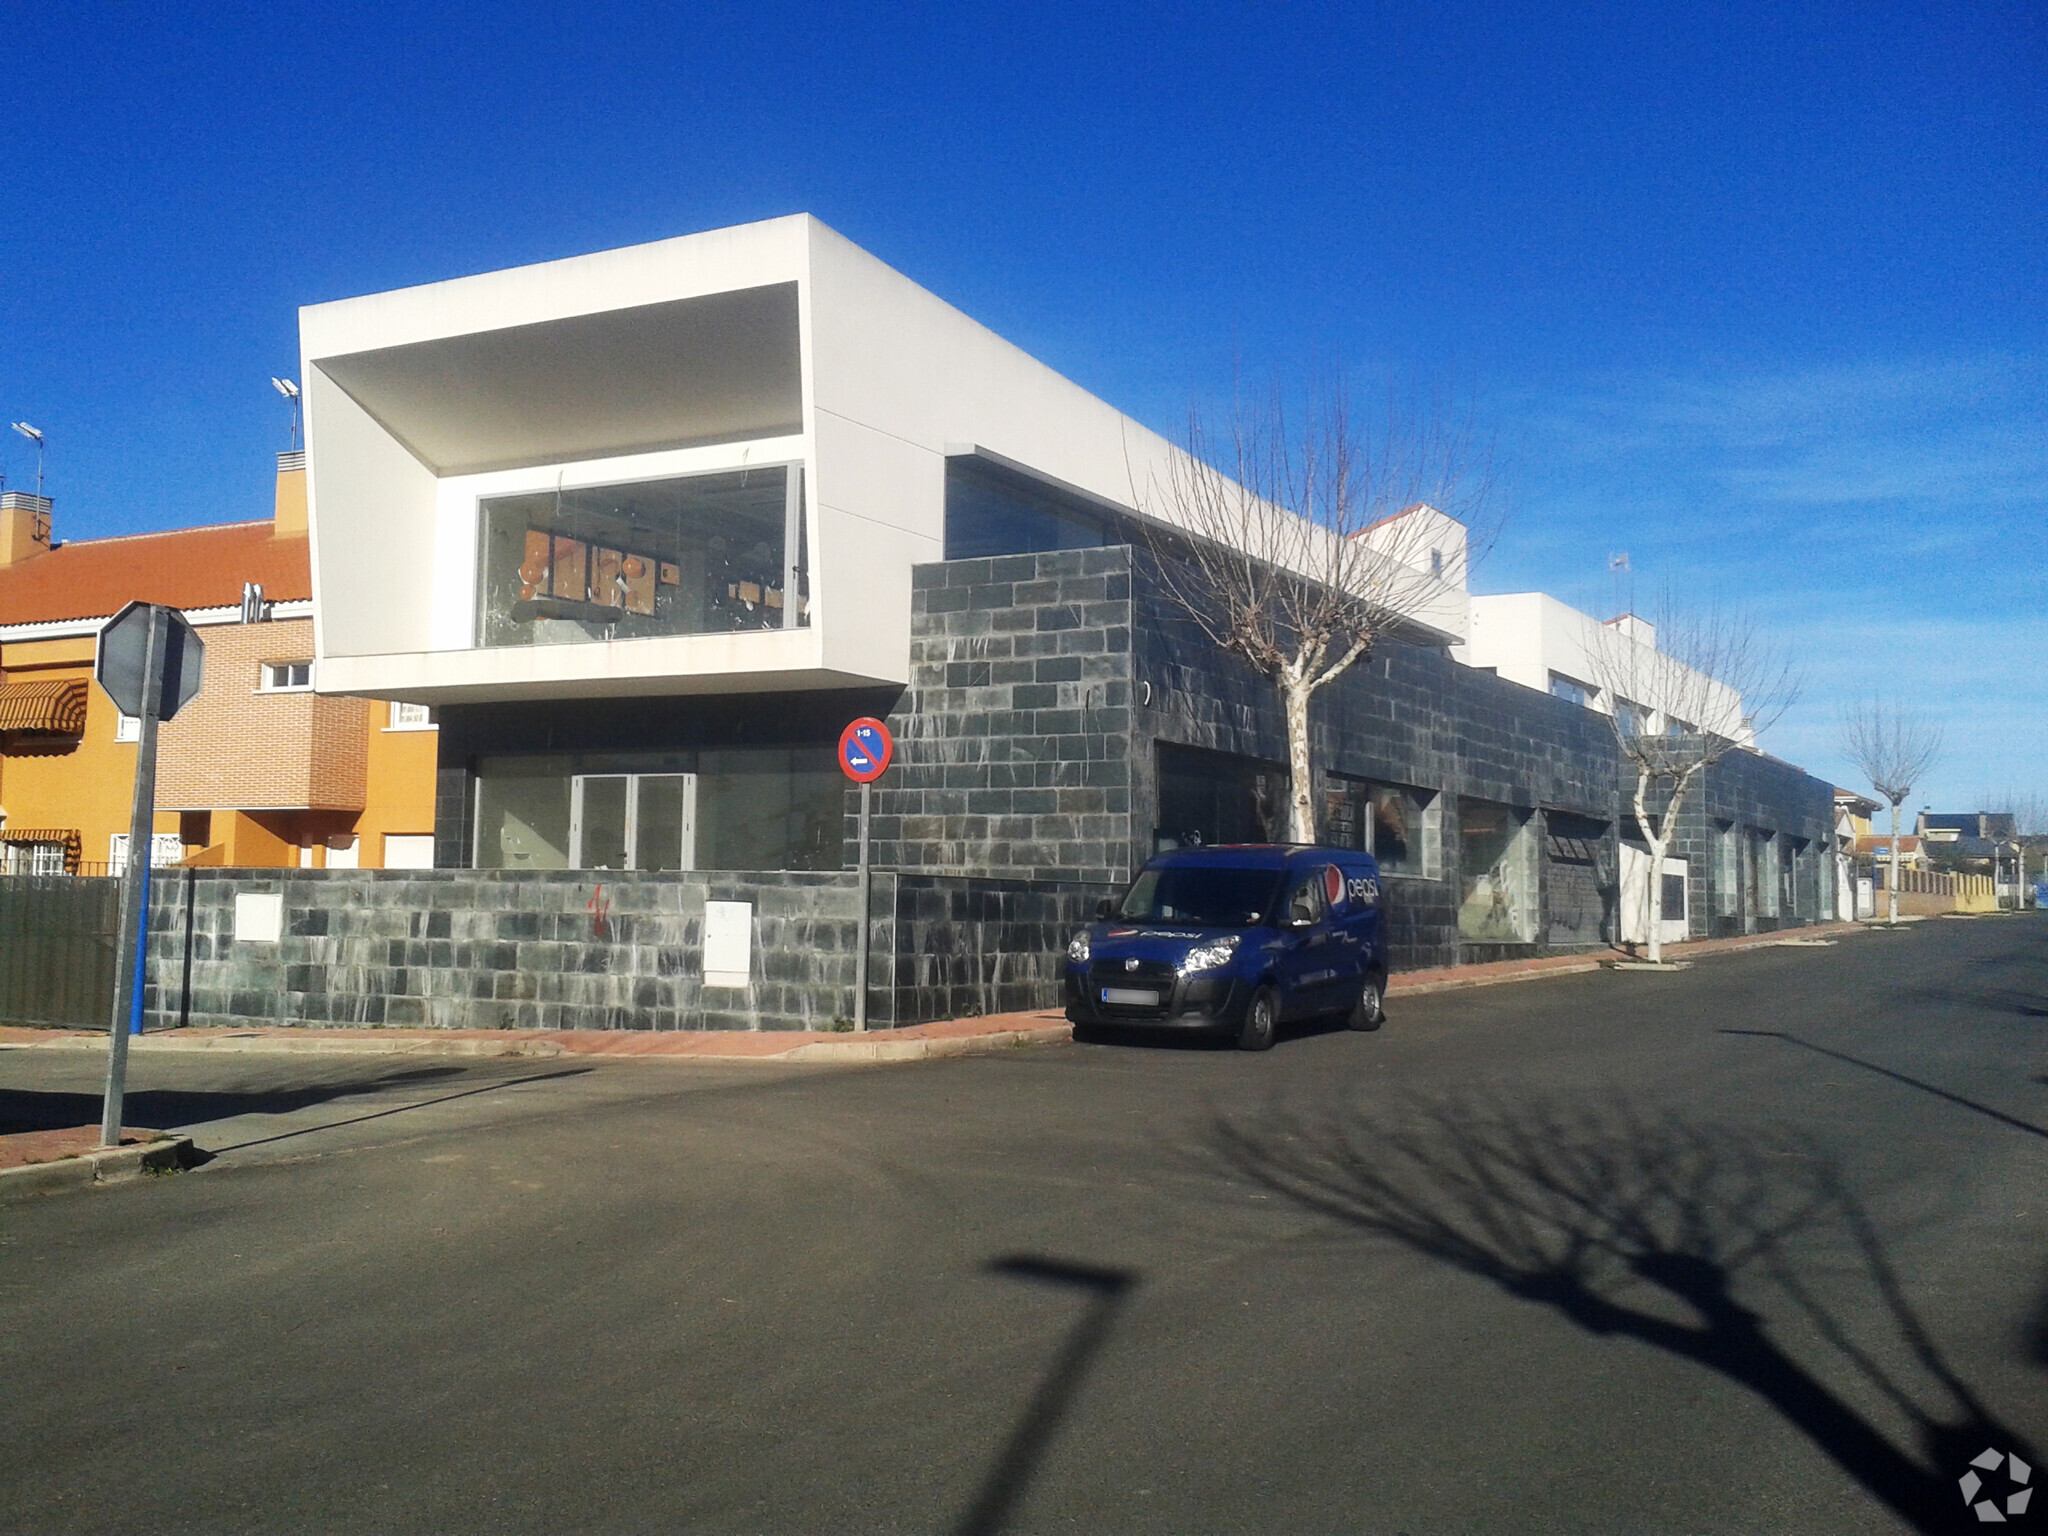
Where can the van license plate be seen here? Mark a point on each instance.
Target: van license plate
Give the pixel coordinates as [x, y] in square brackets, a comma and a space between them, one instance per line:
[1128, 997]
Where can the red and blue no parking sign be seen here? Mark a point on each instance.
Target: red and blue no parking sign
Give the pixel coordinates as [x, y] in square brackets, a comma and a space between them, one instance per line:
[865, 748]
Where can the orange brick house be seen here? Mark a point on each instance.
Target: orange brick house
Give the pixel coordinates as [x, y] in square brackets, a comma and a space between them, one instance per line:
[257, 769]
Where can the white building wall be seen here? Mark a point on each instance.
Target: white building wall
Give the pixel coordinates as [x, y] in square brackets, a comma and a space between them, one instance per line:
[892, 380]
[1526, 637]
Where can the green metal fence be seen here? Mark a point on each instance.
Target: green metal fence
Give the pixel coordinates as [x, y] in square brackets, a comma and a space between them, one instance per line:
[57, 940]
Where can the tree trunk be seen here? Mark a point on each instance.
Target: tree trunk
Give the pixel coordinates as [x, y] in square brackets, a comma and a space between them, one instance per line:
[1295, 693]
[1653, 884]
[1891, 894]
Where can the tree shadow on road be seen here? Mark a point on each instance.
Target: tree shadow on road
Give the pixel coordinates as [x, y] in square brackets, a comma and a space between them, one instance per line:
[1643, 1227]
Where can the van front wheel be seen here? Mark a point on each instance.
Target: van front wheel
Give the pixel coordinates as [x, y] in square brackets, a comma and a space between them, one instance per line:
[1261, 1021]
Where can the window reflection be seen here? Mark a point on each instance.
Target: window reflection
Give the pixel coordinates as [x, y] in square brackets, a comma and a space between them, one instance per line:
[992, 512]
[695, 554]
[1497, 874]
[731, 808]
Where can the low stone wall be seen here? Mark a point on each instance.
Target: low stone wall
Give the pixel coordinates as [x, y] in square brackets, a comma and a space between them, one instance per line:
[462, 949]
[968, 945]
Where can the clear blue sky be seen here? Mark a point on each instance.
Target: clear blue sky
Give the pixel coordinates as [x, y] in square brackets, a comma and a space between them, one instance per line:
[1758, 293]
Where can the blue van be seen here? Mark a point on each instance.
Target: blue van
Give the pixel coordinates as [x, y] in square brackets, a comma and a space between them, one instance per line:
[1236, 939]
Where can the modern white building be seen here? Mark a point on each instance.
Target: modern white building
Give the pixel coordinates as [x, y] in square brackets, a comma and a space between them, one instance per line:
[1533, 639]
[650, 516]
[783, 408]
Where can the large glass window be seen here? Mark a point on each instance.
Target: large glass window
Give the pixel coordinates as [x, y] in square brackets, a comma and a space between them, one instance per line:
[1497, 874]
[736, 808]
[1767, 875]
[1727, 869]
[1399, 825]
[697, 554]
[990, 511]
[1572, 691]
[1214, 797]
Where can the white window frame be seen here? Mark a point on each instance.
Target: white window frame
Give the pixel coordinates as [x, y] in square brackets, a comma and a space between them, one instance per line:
[127, 727]
[423, 721]
[166, 851]
[269, 670]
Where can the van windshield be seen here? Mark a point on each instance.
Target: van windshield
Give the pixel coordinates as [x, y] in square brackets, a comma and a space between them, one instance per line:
[1206, 898]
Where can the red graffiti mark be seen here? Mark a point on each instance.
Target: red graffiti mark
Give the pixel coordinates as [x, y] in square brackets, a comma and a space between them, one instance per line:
[600, 909]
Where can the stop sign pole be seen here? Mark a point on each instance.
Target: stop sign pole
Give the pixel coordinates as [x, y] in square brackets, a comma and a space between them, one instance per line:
[131, 667]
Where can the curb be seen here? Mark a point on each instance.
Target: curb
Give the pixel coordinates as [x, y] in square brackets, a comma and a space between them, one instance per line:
[922, 1050]
[1396, 987]
[308, 1045]
[109, 1165]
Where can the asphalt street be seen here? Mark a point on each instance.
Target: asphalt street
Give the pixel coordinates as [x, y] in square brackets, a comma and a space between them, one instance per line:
[1758, 1247]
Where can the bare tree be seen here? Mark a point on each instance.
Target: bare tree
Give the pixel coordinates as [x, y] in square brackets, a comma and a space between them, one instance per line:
[1297, 544]
[1893, 747]
[1682, 694]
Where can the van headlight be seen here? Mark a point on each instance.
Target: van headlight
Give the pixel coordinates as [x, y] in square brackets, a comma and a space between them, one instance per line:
[1077, 948]
[1206, 957]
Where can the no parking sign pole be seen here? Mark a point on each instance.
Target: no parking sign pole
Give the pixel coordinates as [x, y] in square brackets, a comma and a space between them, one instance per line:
[865, 748]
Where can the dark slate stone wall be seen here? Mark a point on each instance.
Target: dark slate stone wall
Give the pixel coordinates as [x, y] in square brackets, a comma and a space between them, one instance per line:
[501, 949]
[1757, 793]
[517, 949]
[1408, 715]
[1013, 738]
[984, 946]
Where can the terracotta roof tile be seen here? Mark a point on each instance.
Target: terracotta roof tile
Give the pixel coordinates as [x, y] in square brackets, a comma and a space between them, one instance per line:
[187, 568]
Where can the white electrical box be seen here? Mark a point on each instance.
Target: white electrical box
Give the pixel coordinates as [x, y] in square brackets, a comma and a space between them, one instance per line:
[259, 919]
[728, 943]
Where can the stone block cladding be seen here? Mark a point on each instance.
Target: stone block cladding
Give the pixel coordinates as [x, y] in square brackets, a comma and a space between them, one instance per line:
[1013, 739]
[501, 949]
[1754, 793]
[1408, 715]
[973, 946]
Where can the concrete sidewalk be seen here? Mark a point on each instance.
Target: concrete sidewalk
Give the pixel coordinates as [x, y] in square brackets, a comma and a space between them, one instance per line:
[920, 1042]
[952, 1037]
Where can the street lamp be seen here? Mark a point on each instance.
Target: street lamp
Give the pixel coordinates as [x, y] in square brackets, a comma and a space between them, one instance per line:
[290, 390]
[36, 437]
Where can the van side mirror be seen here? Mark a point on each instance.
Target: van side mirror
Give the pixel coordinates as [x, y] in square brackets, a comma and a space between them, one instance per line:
[1103, 909]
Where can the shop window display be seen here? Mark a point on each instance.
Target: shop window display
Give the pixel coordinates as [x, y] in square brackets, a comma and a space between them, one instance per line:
[1497, 874]
[695, 554]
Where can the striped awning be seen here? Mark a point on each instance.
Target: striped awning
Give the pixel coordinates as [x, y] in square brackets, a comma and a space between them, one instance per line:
[54, 709]
[65, 837]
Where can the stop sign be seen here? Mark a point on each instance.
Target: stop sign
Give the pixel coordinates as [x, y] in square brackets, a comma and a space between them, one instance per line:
[124, 656]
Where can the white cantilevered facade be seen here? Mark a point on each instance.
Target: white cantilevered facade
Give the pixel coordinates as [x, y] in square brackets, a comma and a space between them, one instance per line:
[795, 396]
[1533, 639]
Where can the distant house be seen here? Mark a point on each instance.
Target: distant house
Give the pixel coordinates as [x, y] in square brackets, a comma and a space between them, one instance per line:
[1878, 847]
[257, 769]
[1973, 837]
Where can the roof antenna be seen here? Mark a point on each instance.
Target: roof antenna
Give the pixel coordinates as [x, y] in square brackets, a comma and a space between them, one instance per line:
[290, 391]
[35, 436]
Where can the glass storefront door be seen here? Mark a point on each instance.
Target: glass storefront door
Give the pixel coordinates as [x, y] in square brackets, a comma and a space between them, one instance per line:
[632, 821]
